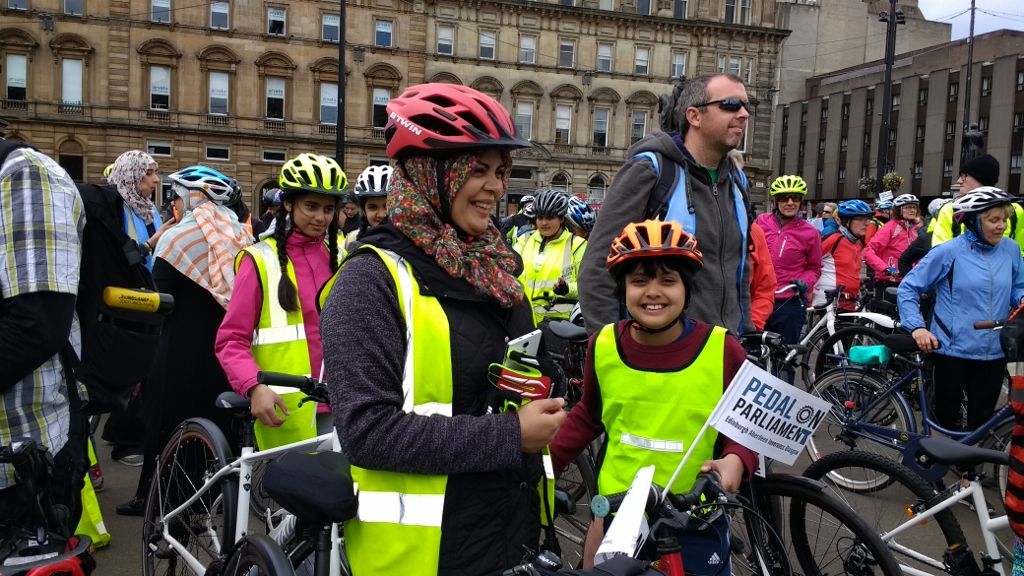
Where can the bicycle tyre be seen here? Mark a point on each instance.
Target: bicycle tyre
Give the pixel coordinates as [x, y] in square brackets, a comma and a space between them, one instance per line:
[580, 482]
[859, 386]
[906, 489]
[823, 534]
[839, 344]
[258, 555]
[196, 450]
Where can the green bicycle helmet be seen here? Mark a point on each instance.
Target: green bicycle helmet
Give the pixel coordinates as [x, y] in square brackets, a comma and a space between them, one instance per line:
[313, 173]
[789, 184]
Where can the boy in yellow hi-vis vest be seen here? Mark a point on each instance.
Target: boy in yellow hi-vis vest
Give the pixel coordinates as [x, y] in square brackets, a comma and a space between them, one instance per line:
[651, 382]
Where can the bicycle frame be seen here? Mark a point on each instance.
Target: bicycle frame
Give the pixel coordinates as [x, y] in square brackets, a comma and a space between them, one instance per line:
[906, 441]
[243, 467]
[987, 523]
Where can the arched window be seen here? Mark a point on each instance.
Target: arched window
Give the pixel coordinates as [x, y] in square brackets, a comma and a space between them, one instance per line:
[596, 188]
[159, 60]
[72, 54]
[71, 157]
[560, 181]
[276, 71]
[16, 49]
[218, 64]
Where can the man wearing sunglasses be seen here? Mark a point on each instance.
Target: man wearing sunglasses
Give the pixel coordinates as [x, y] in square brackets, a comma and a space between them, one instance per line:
[684, 174]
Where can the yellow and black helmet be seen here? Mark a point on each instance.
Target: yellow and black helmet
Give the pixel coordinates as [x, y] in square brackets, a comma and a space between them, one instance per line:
[789, 184]
[313, 173]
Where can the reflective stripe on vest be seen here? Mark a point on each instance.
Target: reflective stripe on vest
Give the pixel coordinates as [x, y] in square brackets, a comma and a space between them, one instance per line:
[398, 526]
[651, 417]
[279, 345]
[542, 270]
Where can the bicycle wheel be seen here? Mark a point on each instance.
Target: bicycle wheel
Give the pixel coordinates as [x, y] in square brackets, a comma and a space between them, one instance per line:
[196, 451]
[810, 355]
[835, 348]
[837, 431]
[258, 555]
[579, 481]
[886, 509]
[802, 525]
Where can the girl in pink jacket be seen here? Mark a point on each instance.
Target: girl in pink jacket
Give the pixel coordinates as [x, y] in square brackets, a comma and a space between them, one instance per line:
[883, 251]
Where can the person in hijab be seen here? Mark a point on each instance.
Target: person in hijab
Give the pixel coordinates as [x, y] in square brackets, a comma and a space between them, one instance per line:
[136, 177]
[413, 332]
[194, 263]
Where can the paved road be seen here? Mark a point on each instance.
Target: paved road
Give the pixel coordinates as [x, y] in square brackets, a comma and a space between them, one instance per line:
[122, 556]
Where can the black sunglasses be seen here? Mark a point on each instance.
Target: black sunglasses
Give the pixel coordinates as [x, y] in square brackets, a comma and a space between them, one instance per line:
[729, 104]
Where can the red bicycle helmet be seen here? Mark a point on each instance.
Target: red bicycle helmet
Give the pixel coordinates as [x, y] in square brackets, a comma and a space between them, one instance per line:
[654, 239]
[436, 117]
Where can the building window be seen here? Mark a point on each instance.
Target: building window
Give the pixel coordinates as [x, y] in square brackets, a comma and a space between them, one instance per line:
[74, 7]
[842, 175]
[596, 189]
[679, 9]
[867, 140]
[604, 57]
[488, 39]
[219, 12]
[566, 53]
[983, 123]
[845, 110]
[331, 28]
[785, 118]
[159, 147]
[821, 146]
[947, 168]
[563, 122]
[17, 77]
[569, 3]
[820, 177]
[782, 150]
[643, 7]
[803, 117]
[748, 71]
[275, 98]
[606, 4]
[638, 126]
[729, 65]
[869, 106]
[383, 32]
[918, 169]
[218, 152]
[276, 18]
[737, 11]
[601, 127]
[219, 93]
[159, 88]
[1020, 80]
[160, 11]
[950, 129]
[1018, 118]
[446, 39]
[274, 155]
[678, 64]
[954, 91]
[922, 96]
[641, 64]
[986, 85]
[800, 150]
[328, 103]
[560, 182]
[863, 170]
[17, 4]
[919, 134]
[71, 81]
[381, 97]
[524, 120]
[895, 102]
[527, 49]
[1015, 164]
[824, 111]
[844, 143]
[892, 137]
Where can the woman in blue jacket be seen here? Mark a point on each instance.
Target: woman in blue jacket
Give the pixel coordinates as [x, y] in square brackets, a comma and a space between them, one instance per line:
[978, 275]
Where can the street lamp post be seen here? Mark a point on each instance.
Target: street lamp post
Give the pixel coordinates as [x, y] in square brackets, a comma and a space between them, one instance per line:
[339, 142]
[883, 130]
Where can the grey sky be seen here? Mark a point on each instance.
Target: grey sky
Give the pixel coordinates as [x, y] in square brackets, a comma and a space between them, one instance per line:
[1004, 14]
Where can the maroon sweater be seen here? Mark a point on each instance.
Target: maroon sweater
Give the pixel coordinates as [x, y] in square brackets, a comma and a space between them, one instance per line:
[584, 422]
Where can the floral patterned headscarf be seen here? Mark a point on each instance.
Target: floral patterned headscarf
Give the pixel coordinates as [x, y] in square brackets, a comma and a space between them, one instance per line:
[129, 169]
[415, 209]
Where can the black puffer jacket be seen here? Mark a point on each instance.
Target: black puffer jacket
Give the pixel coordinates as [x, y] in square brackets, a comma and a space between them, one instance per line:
[491, 505]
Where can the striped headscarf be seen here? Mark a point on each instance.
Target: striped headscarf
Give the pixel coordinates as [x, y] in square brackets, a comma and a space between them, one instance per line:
[204, 244]
[129, 169]
[485, 261]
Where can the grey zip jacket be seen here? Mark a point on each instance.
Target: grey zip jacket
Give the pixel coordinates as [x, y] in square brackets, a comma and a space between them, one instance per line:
[719, 290]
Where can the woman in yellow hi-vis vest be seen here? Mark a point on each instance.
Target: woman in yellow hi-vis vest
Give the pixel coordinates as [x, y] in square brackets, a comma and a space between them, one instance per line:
[551, 258]
[416, 318]
[273, 322]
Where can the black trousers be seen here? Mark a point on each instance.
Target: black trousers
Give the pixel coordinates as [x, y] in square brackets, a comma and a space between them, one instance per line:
[951, 378]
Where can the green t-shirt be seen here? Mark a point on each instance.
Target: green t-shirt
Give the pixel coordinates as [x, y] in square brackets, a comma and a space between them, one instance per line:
[714, 174]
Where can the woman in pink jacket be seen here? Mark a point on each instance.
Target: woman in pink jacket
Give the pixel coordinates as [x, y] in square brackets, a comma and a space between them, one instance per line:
[883, 252]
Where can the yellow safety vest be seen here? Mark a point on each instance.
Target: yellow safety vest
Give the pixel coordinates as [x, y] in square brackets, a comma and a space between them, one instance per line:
[543, 269]
[651, 417]
[279, 345]
[942, 230]
[91, 523]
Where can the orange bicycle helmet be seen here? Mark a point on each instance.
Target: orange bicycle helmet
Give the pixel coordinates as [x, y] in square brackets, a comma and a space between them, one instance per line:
[654, 239]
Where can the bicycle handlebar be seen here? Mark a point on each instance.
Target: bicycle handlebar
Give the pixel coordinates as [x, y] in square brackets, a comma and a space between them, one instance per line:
[707, 484]
[312, 388]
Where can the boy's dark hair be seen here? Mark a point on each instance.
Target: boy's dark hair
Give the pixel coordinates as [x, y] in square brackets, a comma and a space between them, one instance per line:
[650, 267]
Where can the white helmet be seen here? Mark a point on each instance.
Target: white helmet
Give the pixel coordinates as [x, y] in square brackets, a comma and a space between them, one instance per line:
[373, 182]
[981, 199]
[936, 205]
[905, 200]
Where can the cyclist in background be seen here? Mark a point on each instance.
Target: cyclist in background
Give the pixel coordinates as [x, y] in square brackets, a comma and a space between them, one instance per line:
[883, 252]
[580, 217]
[920, 246]
[519, 223]
[795, 247]
[841, 255]
[371, 193]
[979, 275]
[551, 258]
[275, 294]
[763, 282]
[882, 210]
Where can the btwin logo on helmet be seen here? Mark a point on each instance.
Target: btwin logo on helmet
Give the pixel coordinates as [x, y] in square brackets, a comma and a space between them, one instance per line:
[406, 123]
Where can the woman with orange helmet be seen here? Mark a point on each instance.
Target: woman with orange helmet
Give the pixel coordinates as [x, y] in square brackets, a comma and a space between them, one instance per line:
[657, 375]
